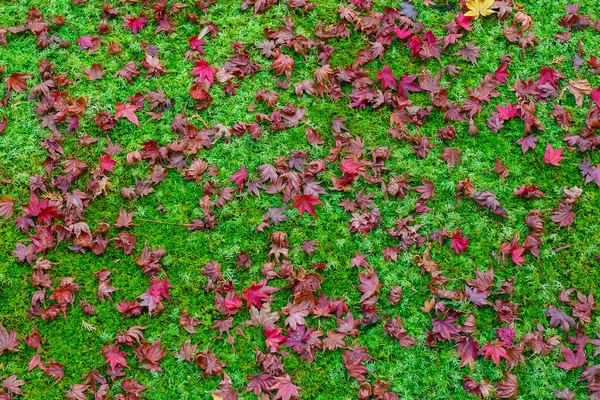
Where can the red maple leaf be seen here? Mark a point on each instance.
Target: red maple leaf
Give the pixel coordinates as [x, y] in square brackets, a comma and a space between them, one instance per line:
[196, 44]
[501, 74]
[463, 21]
[13, 385]
[387, 78]
[274, 338]
[495, 350]
[562, 216]
[205, 74]
[572, 360]
[407, 83]
[33, 208]
[4, 122]
[239, 177]
[596, 96]
[114, 356]
[549, 75]
[369, 284]
[285, 388]
[106, 163]
[77, 392]
[135, 23]
[47, 213]
[527, 142]
[160, 287]
[506, 113]
[516, 256]
[514, 250]
[459, 242]
[91, 43]
[306, 202]
[125, 110]
[8, 340]
[552, 156]
[402, 33]
[258, 293]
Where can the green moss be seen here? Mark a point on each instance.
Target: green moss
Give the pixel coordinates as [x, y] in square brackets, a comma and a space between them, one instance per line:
[419, 372]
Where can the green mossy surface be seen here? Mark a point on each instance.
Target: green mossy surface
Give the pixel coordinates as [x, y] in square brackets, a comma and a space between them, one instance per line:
[418, 372]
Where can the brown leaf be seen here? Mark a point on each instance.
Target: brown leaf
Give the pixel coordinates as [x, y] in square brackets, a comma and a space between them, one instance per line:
[579, 88]
[451, 156]
[94, 73]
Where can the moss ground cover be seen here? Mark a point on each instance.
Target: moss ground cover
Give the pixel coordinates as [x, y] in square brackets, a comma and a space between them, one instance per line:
[430, 368]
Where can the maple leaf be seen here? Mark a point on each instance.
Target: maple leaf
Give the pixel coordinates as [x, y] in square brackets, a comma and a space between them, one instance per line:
[459, 243]
[579, 88]
[89, 43]
[495, 350]
[258, 293]
[8, 341]
[151, 354]
[549, 75]
[107, 163]
[479, 8]
[451, 156]
[306, 202]
[463, 21]
[13, 385]
[387, 78]
[285, 388]
[564, 394]
[239, 177]
[114, 356]
[508, 112]
[133, 335]
[125, 110]
[563, 215]
[24, 253]
[501, 74]
[77, 392]
[94, 73]
[196, 43]
[552, 156]
[501, 169]
[508, 388]
[369, 285]
[402, 33]
[135, 23]
[225, 390]
[469, 52]
[133, 388]
[124, 219]
[572, 360]
[128, 72]
[205, 74]
[274, 338]
[104, 289]
[516, 255]
[595, 98]
[558, 317]
[16, 82]
[283, 64]
[468, 351]
[262, 317]
[209, 363]
[527, 142]
[55, 370]
[36, 362]
[34, 340]
[4, 124]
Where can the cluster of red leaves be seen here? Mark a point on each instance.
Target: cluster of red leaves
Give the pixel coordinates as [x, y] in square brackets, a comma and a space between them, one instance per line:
[55, 210]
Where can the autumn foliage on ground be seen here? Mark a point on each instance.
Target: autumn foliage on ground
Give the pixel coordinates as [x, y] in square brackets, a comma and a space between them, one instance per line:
[284, 199]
